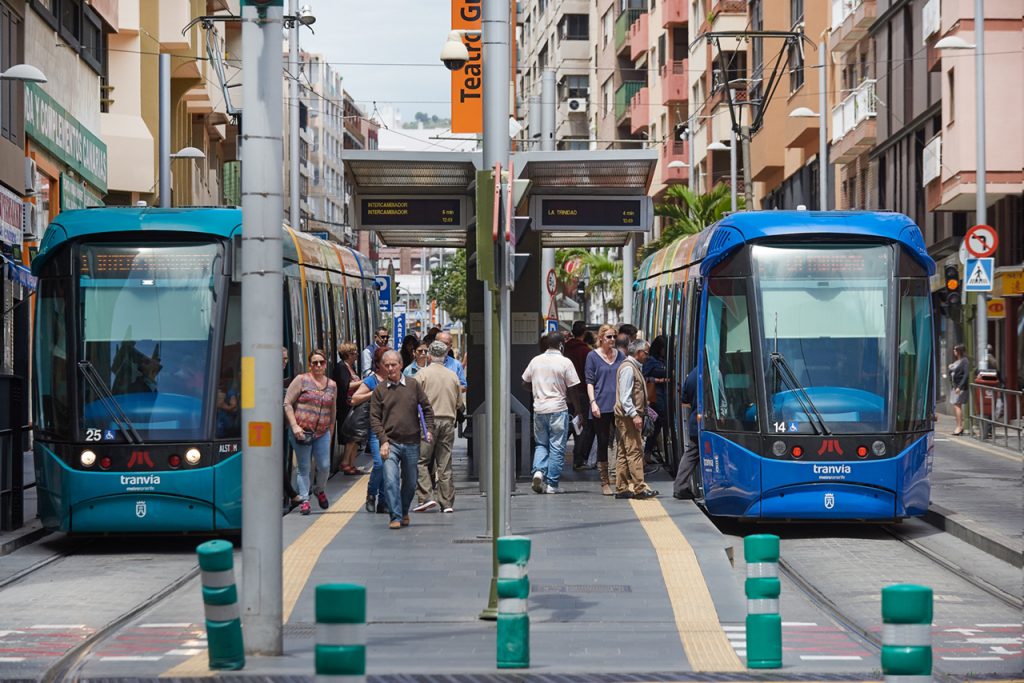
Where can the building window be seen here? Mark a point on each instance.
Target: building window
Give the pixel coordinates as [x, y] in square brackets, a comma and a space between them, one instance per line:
[574, 144]
[661, 50]
[11, 93]
[951, 99]
[542, 6]
[608, 100]
[574, 27]
[79, 27]
[542, 58]
[575, 86]
[796, 68]
[796, 11]
[608, 25]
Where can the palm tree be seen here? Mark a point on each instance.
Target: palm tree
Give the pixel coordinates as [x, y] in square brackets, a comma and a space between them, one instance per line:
[605, 273]
[687, 213]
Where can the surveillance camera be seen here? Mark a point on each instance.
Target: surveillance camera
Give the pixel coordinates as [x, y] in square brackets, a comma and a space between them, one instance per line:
[454, 54]
[306, 17]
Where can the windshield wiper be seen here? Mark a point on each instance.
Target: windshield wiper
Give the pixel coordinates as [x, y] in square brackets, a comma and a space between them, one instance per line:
[806, 404]
[109, 402]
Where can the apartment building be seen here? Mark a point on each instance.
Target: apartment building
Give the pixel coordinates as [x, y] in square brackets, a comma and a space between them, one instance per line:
[615, 72]
[324, 99]
[554, 35]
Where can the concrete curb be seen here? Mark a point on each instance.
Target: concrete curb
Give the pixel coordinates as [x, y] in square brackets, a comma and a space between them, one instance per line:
[972, 532]
[27, 535]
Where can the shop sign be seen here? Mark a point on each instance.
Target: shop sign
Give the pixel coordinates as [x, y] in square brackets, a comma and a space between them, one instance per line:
[76, 195]
[10, 217]
[1013, 282]
[59, 133]
[996, 308]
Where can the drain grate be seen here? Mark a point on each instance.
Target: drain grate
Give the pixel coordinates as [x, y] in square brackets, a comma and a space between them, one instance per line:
[581, 588]
[471, 540]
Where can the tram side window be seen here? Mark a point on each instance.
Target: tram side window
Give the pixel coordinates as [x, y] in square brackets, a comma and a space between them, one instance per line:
[52, 358]
[914, 356]
[730, 396]
[298, 350]
[229, 377]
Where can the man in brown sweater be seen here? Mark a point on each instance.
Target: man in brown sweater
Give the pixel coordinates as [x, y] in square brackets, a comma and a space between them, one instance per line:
[400, 415]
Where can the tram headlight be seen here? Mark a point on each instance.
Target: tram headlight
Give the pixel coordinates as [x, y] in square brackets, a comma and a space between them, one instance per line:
[779, 448]
[87, 458]
[192, 456]
[878, 448]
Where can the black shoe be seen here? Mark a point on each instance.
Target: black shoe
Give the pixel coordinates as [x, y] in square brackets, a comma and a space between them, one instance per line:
[382, 507]
[649, 493]
[371, 503]
[621, 495]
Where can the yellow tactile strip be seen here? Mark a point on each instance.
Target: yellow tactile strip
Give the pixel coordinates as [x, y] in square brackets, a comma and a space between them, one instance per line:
[704, 641]
[297, 565]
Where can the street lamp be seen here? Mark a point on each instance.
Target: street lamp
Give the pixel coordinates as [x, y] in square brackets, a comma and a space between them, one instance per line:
[678, 164]
[980, 200]
[189, 153]
[23, 72]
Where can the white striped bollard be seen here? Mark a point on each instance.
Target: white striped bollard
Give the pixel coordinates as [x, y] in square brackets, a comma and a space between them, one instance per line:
[340, 633]
[513, 591]
[907, 633]
[764, 623]
[220, 601]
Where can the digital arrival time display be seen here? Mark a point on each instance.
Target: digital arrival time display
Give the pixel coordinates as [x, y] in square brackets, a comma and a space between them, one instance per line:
[385, 212]
[581, 213]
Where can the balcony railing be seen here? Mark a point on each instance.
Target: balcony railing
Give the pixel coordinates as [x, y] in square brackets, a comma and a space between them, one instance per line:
[675, 84]
[842, 9]
[624, 95]
[858, 106]
[931, 160]
[622, 25]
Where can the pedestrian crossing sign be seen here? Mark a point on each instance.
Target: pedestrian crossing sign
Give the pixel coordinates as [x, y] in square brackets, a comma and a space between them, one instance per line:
[979, 275]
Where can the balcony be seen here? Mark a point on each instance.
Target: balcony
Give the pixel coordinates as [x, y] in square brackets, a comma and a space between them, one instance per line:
[674, 150]
[931, 171]
[673, 13]
[623, 97]
[622, 26]
[850, 22]
[675, 82]
[638, 37]
[572, 50]
[640, 111]
[853, 123]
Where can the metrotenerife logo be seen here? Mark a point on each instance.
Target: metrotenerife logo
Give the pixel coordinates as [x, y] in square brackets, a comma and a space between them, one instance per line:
[140, 458]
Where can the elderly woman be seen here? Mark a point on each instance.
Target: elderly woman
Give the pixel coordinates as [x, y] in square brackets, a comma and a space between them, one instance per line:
[310, 404]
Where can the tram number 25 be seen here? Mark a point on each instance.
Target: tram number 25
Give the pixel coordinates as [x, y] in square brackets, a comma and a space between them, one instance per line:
[93, 434]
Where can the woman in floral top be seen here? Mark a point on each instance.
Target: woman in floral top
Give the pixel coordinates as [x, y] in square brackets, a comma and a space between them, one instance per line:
[310, 404]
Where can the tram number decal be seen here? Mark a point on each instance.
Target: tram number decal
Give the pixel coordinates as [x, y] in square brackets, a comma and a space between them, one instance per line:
[93, 434]
[780, 427]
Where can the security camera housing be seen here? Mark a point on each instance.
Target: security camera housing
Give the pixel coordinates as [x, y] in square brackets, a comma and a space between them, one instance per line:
[454, 54]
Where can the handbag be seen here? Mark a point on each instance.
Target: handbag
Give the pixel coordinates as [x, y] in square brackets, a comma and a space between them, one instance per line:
[356, 424]
[650, 418]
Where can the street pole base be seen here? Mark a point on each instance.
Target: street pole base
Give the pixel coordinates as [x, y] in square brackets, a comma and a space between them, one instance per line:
[489, 614]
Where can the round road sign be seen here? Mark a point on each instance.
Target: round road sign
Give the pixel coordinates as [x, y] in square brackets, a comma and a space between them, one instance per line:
[981, 241]
[552, 282]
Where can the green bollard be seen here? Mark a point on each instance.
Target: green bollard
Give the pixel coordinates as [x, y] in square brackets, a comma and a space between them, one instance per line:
[513, 590]
[764, 623]
[220, 600]
[341, 632]
[907, 633]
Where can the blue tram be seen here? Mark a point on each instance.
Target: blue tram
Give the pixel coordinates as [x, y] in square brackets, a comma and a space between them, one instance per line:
[812, 338]
[137, 361]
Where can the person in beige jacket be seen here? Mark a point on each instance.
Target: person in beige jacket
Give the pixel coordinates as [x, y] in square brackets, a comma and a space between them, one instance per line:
[444, 391]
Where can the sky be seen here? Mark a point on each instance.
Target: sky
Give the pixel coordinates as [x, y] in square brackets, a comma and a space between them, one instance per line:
[378, 46]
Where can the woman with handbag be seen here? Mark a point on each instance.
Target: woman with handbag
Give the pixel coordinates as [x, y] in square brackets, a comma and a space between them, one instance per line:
[361, 402]
[348, 433]
[310, 404]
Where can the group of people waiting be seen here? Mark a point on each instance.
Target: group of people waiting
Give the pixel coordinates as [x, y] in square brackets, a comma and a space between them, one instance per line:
[404, 410]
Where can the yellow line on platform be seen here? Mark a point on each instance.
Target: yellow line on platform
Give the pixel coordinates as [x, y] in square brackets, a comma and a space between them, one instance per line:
[297, 565]
[704, 641]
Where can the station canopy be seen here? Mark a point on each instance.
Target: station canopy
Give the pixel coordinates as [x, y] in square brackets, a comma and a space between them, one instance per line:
[426, 199]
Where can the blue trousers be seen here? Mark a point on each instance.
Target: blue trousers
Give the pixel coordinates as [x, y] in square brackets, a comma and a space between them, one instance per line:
[400, 474]
[550, 430]
[320, 449]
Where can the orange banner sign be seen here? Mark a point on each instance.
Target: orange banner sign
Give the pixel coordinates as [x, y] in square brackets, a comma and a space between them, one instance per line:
[468, 82]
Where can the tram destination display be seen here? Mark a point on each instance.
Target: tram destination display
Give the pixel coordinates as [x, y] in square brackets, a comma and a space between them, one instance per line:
[591, 213]
[382, 212]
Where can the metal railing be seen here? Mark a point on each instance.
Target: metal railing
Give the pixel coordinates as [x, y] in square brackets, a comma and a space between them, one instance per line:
[842, 9]
[856, 107]
[622, 25]
[995, 409]
[624, 95]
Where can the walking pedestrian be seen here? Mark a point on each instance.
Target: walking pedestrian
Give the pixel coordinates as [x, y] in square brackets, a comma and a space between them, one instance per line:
[380, 340]
[630, 411]
[310, 405]
[354, 422]
[550, 376]
[291, 495]
[375, 500]
[681, 487]
[400, 415]
[420, 361]
[444, 393]
[656, 375]
[408, 350]
[958, 378]
[577, 350]
[449, 361]
[602, 364]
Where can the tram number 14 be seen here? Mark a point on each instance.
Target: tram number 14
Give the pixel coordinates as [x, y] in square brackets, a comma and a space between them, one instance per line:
[782, 427]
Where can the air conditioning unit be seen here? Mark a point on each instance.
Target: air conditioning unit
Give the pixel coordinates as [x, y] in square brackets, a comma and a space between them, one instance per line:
[577, 104]
[30, 176]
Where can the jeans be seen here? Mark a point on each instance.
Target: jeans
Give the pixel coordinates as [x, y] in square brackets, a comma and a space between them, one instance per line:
[320, 449]
[400, 470]
[377, 473]
[550, 430]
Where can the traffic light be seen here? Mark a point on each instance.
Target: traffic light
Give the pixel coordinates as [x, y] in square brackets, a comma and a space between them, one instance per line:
[952, 281]
[581, 291]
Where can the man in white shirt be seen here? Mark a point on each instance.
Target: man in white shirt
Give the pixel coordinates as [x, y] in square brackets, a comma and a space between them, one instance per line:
[550, 376]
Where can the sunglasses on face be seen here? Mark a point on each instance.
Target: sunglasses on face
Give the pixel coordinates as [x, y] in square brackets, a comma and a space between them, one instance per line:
[317, 362]
[609, 336]
[420, 352]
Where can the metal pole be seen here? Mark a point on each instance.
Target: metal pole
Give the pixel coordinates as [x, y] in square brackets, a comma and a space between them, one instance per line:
[748, 187]
[981, 205]
[495, 25]
[692, 161]
[548, 107]
[822, 132]
[262, 487]
[165, 129]
[628, 254]
[424, 317]
[294, 69]
[732, 169]
[533, 121]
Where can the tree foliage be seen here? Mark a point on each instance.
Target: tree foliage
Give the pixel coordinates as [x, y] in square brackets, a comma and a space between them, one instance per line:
[605, 273]
[448, 286]
[687, 213]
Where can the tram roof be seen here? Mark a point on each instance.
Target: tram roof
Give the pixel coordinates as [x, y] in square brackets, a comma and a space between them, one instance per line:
[215, 221]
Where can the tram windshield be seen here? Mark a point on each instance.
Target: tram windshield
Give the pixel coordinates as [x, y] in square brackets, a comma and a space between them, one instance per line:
[824, 314]
[146, 320]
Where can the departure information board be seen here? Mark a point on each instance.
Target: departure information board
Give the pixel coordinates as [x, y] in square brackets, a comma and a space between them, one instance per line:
[590, 213]
[381, 212]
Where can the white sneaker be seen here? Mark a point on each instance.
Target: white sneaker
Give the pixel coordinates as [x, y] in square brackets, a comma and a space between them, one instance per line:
[552, 489]
[538, 482]
[429, 506]
[449, 510]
